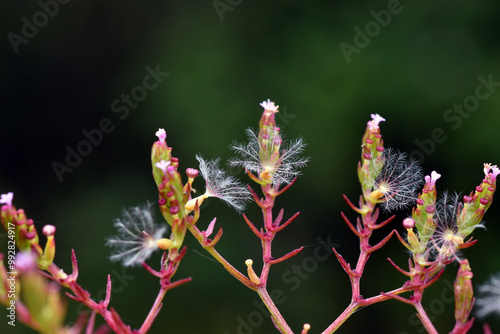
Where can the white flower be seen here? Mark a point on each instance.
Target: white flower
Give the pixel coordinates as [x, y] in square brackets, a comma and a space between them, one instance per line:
[282, 167]
[223, 186]
[137, 236]
[489, 301]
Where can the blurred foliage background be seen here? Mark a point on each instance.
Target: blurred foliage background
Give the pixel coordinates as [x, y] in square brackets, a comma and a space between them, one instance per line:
[224, 58]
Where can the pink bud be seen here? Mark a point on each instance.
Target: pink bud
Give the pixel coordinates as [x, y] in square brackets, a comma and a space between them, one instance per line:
[408, 223]
[192, 173]
[30, 235]
[483, 201]
[162, 201]
[430, 209]
[49, 230]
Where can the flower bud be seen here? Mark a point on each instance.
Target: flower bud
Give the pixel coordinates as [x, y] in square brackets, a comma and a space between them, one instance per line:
[475, 206]
[464, 294]
[251, 273]
[408, 223]
[50, 247]
[43, 301]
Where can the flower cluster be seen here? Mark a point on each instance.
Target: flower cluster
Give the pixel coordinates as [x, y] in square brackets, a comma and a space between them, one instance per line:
[439, 228]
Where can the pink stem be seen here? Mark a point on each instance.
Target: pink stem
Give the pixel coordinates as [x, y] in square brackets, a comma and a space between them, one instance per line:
[146, 325]
[278, 319]
[424, 318]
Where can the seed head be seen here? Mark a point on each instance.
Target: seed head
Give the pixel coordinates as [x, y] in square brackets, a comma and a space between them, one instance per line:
[447, 238]
[488, 301]
[277, 161]
[219, 184]
[137, 236]
[397, 183]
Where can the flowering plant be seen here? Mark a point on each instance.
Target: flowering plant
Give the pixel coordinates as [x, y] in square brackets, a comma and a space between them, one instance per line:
[437, 230]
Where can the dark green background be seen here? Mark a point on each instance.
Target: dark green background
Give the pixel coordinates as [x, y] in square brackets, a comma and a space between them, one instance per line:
[64, 80]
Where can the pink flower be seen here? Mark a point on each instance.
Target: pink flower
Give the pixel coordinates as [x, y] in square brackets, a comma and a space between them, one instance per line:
[494, 172]
[162, 135]
[374, 123]
[163, 165]
[431, 180]
[269, 105]
[7, 199]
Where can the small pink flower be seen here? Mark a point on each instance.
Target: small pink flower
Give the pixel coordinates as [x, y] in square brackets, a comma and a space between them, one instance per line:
[431, 180]
[374, 123]
[163, 165]
[494, 171]
[269, 105]
[162, 135]
[7, 199]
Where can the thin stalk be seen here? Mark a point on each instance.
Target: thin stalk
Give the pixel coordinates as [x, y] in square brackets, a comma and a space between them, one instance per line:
[275, 313]
[229, 268]
[424, 318]
[154, 311]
